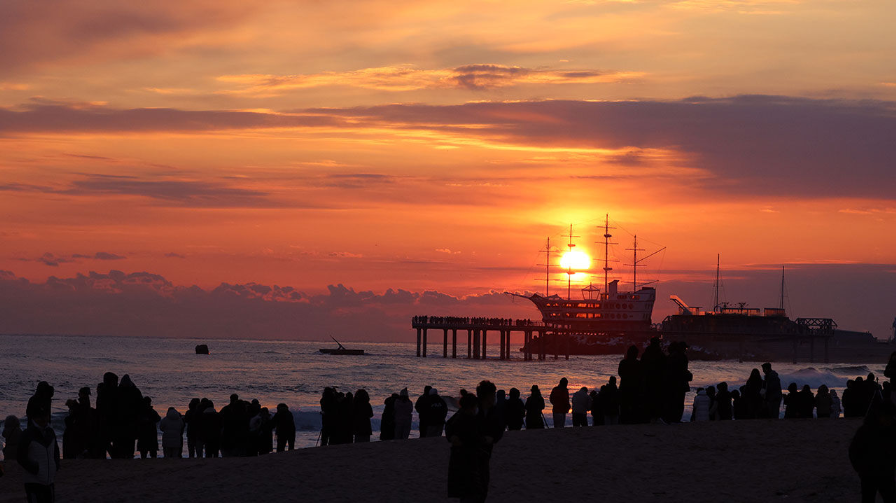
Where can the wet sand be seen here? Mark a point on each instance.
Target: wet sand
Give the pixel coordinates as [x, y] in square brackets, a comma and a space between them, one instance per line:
[737, 461]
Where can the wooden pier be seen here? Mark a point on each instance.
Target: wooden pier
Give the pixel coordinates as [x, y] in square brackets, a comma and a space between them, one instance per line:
[477, 336]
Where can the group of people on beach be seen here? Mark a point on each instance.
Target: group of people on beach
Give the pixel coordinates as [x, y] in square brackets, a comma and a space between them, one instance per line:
[651, 388]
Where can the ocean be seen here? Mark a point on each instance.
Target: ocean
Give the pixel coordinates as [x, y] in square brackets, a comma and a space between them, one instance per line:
[295, 373]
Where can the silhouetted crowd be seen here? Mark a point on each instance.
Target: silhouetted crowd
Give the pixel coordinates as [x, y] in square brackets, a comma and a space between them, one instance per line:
[651, 388]
[456, 320]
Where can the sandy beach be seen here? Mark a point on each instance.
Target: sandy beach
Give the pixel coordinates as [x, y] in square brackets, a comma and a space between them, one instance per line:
[738, 461]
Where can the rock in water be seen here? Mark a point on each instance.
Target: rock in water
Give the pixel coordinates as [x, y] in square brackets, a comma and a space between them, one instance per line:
[202, 349]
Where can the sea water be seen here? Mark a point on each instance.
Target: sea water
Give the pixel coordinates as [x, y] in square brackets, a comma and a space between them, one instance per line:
[295, 373]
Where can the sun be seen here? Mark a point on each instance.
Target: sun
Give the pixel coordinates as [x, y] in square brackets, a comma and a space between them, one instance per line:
[575, 260]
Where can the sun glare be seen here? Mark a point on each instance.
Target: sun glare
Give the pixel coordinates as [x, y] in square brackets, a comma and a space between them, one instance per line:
[575, 260]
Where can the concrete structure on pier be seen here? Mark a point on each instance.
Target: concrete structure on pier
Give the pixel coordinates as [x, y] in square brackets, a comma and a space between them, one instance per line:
[477, 336]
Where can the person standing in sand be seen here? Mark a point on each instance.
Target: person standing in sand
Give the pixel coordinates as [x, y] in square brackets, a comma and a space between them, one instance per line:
[772, 391]
[534, 408]
[473, 434]
[581, 404]
[404, 414]
[38, 453]
[873, 454]
[560, 402]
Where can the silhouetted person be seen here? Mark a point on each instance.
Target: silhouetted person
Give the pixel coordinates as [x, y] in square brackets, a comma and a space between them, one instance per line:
[172, 427]
[723, 402]
[210, 428]
[192, 423]
[265, 431]
[387, 423]
[581, 404]
[713, 404]
[677, 382]
[361, 416]
[38, 453]
[470, 476]
[344, 418]
[147, 432]
[597, 414]
[823, 402]
[806, 402]
[835, 404]
[631, 380]
[404, 415]
[609, 401]
[87, 422]
[107, 412]
[127, 417]
[436, 411]
[560, 403]
[849, 402]
[329, 415]
[514, 410]
[754, 391]
[653, 364]
[420, 406]
[873, 454]
[72, 440]
[792, 407]
[42, 399]
[534, 408]
[235, 427]
[12, 434]
[462, 432]
[700, 410]
[773, 393]
[285, 427]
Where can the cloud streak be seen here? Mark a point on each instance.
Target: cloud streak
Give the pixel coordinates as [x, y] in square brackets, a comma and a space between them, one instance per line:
[770, 145]
[402, 78]
[53, 260]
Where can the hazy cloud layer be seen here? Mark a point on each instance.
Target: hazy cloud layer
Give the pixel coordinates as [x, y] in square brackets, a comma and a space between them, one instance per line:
[39, 33]
[147, 304]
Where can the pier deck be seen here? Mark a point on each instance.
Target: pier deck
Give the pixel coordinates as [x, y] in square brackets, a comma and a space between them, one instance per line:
[477, 335]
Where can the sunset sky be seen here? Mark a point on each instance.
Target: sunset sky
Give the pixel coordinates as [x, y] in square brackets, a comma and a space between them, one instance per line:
[289, 169]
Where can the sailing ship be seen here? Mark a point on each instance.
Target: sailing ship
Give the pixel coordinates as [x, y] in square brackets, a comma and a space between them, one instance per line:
[608, 321]
[601, 322]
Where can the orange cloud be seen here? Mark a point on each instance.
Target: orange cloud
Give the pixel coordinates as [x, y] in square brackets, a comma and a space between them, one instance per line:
[409, 78]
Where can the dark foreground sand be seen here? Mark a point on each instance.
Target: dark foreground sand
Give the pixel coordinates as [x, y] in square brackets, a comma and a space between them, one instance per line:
[739, 461]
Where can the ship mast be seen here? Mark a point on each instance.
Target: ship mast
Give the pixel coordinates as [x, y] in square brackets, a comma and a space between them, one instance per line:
[547, 268]
[607, 244]
[782, 289]
[635, 251]
[569, 272]
[715, 298]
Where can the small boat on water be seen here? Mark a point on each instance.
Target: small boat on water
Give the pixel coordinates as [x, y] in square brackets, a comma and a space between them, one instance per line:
[341, 350]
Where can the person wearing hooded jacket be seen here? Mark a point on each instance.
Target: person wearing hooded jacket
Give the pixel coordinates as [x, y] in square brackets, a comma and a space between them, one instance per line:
[38, 453]
[560, 401]
[436, 412]
[701, 406]
[581, 404]
[172, 427]
[404, 414]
